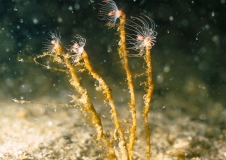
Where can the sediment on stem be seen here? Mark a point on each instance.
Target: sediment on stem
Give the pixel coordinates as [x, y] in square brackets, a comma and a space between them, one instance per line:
[123, 53]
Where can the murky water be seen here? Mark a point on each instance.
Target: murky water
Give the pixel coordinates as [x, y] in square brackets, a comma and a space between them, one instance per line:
[188, 104]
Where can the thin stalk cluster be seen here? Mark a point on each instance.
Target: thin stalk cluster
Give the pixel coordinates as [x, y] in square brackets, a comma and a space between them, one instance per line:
[136, 34]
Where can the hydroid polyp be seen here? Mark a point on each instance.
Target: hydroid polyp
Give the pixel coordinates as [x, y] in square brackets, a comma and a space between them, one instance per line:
[141, 34]
[52, 45]
[77, 48]
[109, 12]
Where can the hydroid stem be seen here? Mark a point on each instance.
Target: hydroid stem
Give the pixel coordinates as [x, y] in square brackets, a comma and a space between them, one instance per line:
[123, 54]
[88, 106]
[147, 100]
[107, 92]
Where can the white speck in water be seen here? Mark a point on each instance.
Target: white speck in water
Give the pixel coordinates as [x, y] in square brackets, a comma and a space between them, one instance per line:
[109, 48]
[215, 38]
[171, 18]
[77, 6]
[35, 20]
[20, 60]
[70, 8]
[199, 33]
[59, 19]
[213, 14]
[166, 68]
[207, 26]
[160, 78]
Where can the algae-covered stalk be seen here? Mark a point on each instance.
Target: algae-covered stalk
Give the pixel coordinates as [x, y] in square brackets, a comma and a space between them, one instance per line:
[142, 39]
[110, 12]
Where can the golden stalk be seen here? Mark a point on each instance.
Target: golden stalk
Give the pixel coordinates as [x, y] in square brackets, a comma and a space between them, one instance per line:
[107, 92]
[123, 54]
[85, 99]
[147, 100]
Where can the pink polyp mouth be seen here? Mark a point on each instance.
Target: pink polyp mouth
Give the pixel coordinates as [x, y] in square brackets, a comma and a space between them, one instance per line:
[140, 38]
[111, 13]
[53, 42]
[147, 40]
[77, 49]
[116, 14]
[54, 45]
[75, 46]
